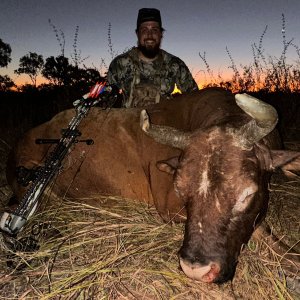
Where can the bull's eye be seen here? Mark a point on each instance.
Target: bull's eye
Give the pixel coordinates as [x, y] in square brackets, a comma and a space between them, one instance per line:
[244, 199]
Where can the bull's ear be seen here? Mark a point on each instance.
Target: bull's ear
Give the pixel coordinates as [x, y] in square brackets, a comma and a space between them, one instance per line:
[289, 161]
[169, 166]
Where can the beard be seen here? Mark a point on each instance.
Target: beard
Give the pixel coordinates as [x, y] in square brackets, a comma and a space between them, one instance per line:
[149, 51]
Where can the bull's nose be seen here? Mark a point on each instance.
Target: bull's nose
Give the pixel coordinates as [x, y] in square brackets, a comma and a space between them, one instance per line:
[207, 273]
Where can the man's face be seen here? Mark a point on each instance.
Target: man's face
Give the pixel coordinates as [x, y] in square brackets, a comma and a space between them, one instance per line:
[149, 38]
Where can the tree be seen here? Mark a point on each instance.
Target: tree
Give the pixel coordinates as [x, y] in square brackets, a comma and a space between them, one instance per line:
[5, 53]
[5, 58]
[6, 83]
[31, 64]
[58, 70]
[86, 76]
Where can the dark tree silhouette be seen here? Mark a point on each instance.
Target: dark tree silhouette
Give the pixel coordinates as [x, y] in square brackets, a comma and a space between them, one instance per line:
[6, 83]
[5, 58]
[58, 70]
[5, 53]
[31, 64]
[86, 76]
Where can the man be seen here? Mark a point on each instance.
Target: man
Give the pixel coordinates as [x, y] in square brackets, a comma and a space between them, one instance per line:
[147, 73]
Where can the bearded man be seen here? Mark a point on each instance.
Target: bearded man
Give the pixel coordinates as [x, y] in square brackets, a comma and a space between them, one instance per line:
[146, 73]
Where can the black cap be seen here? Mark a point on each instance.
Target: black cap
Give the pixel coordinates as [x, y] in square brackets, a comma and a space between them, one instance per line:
[148, 14]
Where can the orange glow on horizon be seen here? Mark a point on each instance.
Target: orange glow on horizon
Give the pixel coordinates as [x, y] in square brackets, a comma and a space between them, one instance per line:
[23, 80]
[201, 78]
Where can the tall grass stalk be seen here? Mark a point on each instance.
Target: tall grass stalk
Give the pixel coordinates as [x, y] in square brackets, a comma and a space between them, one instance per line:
[266, 72]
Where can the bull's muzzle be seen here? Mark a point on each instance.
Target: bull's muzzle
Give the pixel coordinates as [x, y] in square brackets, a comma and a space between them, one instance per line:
[207, 273]
[213, 272]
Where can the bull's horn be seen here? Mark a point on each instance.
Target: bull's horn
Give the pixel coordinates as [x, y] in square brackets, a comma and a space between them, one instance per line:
[164, 134]
[264, 120]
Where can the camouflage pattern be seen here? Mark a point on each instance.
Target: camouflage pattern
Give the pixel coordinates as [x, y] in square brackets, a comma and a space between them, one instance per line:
[145, 83]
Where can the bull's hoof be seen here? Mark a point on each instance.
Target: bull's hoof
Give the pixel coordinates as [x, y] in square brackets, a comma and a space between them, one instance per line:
[144, 120]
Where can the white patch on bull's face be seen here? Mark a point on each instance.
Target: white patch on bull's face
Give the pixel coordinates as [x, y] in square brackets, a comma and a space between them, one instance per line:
[218, 205]
[200, 227]
[244, 199]
[204, 184]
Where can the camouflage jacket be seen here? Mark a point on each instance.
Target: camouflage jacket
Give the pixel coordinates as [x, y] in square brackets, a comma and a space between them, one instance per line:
[146, 83]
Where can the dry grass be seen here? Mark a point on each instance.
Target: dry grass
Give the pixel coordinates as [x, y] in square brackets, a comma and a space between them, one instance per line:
[285, 215]
[122, 250]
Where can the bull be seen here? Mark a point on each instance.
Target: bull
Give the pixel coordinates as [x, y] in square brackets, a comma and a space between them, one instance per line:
[206, 161]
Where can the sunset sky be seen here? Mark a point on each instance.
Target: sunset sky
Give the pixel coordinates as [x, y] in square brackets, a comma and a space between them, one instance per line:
[192, 26]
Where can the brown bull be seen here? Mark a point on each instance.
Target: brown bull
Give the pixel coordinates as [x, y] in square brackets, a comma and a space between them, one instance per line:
[206, 159]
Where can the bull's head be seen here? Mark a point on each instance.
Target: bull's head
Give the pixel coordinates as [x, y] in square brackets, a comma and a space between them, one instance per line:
[221, 177]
